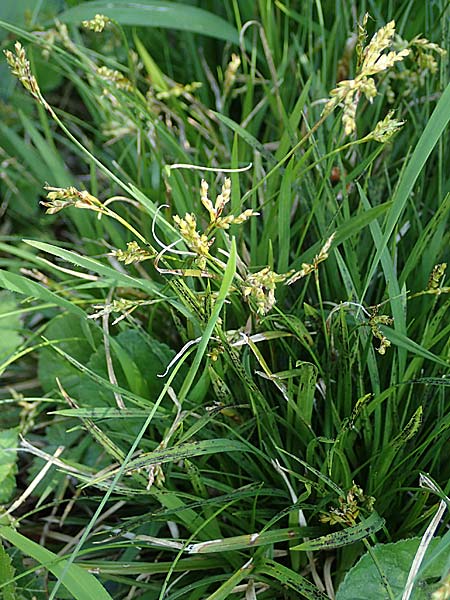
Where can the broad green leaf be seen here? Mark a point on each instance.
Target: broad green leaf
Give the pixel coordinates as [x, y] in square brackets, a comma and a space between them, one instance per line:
[168, 15]
[81, 584]
[344, 537]
[364, 581]
[9, 439]
[137, 360]
[6, 575]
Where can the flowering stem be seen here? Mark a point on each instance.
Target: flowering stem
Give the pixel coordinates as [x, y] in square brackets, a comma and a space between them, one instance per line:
[110, 213]
[322, 312]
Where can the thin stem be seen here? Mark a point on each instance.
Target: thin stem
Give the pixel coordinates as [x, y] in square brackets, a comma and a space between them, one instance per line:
[384, 579]
[324, 322]
[298, 145]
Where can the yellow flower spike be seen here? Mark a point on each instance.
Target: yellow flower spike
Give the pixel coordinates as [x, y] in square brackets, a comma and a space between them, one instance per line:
[437, 274]
[379, 42]
[374, 322]
[244, 216]
[197, 242]
[374, 61]
[20, 68]
[179, 90]
[230, 73]
[206, 201]
[223, 198]
[134, 253]
[349, 508]
[310, 268]
[115, 77]
[60, 198]
[386, 128]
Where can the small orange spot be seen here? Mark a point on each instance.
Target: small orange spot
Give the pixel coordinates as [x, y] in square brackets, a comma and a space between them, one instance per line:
[335, 175]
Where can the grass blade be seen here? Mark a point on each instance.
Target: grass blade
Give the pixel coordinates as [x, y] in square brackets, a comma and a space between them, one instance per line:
[288, 577]
[429, 138]
[168, 15]
[80, 583]
[96, 266]
[337, 539]
[22, 285]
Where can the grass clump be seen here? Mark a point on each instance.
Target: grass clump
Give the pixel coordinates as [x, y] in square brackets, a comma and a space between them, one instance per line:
[230, 360]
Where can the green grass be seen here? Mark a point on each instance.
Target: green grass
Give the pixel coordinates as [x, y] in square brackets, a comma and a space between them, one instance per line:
[202, 442]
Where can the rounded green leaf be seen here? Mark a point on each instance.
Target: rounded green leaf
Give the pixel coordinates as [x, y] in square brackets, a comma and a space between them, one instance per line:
[363, 581]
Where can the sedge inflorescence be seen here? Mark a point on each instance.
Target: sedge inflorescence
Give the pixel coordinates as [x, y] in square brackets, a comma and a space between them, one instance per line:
[349, 507]
[97, 24]
[261, 287]
[60, 198]
[20, 68]
[373, 61]
[200, 242]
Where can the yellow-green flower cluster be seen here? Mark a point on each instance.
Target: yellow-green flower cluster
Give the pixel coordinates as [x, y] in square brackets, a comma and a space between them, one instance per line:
[374, 60]
[97, 24]
[20, 68]
[261, 287]
[197, 242]
[423, 60]
[425, 53]
[308, 268]
[230, 73]
[215, 210]
[60, 198]
[349, 507]
[386, 128]
[133, 254]
[115, 77]
[436, 275]
[374, 322]
[59, 33]
[179, 90]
